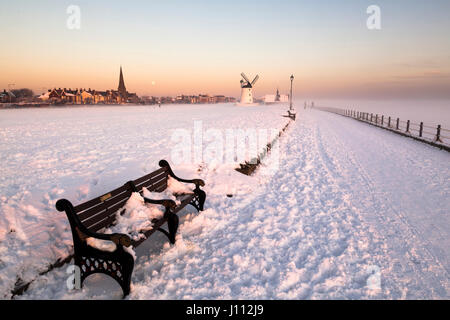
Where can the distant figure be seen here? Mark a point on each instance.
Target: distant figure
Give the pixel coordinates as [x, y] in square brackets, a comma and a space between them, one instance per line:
[160, 104]
[305, 105]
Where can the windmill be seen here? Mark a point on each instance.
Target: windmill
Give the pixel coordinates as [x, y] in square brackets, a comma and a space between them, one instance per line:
[246, 92]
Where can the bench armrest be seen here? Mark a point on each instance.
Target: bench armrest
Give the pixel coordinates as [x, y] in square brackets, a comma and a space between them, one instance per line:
[169, 204]
[198, 182]
[117, 238]
[83, 232]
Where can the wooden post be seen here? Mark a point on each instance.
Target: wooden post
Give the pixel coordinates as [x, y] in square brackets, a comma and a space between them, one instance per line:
[438, 134]
[407, 126]
[398, 123]
[389, 122]
[376, 119]
[421, 129]
[371, 116]
[382, 120]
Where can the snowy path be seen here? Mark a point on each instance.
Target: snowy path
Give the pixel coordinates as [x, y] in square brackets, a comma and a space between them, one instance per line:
[348, 199]
[401, 190]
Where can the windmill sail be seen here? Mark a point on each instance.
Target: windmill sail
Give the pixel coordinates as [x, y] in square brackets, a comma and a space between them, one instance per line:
[254, 80]
[245, 77]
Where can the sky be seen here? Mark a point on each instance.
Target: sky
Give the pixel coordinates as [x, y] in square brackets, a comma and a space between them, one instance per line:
[175, 47]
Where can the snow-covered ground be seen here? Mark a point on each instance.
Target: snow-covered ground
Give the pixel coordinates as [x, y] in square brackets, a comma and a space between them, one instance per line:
[353, 212]
[81, 153]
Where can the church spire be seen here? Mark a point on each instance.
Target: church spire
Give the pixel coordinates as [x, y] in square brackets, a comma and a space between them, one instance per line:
[122, 90]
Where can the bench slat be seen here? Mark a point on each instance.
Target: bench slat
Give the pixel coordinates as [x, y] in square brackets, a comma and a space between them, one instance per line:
[103, 205]
[104, 214]
[159, 187]
[148, 183]
[91, 203]
[149, 176]
[106, 222]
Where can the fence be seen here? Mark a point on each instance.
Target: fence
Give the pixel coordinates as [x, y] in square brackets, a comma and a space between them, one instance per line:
[435, 136]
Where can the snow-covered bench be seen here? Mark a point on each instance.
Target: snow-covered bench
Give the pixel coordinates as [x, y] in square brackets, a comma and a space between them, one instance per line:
[290, 115]
[99, 244]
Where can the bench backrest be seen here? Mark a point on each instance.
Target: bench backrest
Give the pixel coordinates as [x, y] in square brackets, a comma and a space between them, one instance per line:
[100, 212]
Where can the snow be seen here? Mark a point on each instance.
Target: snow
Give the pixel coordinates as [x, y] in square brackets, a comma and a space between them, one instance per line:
[103, 245]
[85, 152]
[354, 212]
[135, 218]
[176, 187]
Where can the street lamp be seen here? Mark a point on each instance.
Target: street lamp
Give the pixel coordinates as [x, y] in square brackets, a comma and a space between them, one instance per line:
[290, 104]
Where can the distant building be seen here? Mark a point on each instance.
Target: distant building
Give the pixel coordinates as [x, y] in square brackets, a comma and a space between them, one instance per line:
[220, 99]
[275, 98]
[123, 94]
[194, 99]
[7, 97]
[203, 98]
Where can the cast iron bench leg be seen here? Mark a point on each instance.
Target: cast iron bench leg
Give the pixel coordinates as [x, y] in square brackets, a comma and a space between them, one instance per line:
[199, 200]
[172, 223]
[120, 270]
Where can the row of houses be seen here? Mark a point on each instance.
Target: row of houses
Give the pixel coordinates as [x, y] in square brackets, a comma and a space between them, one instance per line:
[88, 96]
[83, 96]
[188, 99]
[203, 98]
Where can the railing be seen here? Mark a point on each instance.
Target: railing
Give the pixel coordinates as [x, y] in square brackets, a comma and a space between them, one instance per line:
[436, 136]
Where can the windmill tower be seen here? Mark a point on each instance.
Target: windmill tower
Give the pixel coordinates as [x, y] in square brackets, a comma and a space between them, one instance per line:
[247, 92]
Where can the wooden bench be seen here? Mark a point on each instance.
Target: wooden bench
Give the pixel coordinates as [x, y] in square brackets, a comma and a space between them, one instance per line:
[89, 218]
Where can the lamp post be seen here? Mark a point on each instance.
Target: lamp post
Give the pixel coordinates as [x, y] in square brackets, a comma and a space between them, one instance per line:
[290, 96]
